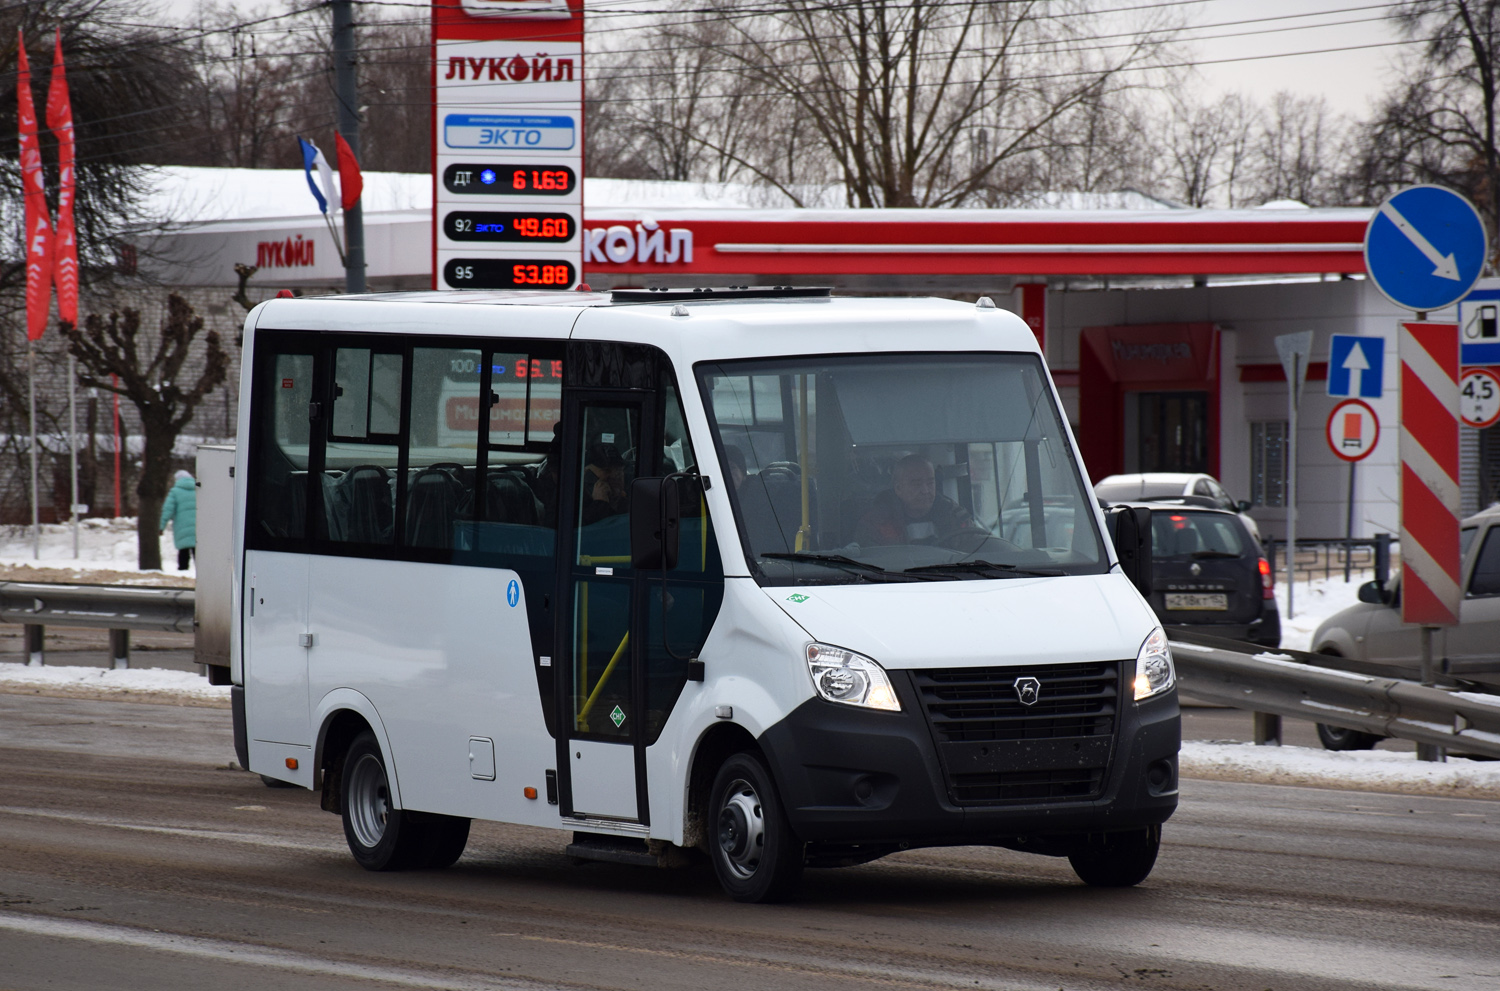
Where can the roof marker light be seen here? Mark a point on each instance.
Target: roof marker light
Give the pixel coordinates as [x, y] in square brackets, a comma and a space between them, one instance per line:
[984, 303]
[679, 310]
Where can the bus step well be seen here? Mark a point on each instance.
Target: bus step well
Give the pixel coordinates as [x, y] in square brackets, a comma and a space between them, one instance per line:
[626, 850]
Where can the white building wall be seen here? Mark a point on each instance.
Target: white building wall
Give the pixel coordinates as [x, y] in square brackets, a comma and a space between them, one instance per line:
[1249, 318]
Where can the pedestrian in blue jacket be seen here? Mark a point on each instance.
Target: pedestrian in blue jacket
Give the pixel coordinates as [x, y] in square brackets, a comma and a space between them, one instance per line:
[181, 510]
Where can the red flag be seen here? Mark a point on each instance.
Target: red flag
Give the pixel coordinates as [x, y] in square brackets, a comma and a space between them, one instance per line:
[65, 247]
[351, 184]
[38, 228]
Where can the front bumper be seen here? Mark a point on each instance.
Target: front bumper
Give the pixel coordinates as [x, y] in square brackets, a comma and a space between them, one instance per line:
[852, 776]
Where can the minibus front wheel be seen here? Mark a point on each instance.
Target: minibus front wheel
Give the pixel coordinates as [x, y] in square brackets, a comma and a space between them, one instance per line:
[756, 855]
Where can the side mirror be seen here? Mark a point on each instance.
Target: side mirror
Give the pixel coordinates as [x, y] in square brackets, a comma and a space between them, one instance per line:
[654, 523]
[1373, 593]
[1130, 530]
[1243, 506]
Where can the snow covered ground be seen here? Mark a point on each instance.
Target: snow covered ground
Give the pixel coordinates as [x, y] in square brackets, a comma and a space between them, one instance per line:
[143, 684]
[103, 545]
[1362, 770]
[1314, 602]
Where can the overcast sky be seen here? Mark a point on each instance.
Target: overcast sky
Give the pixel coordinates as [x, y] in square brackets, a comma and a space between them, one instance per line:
[1348, 79]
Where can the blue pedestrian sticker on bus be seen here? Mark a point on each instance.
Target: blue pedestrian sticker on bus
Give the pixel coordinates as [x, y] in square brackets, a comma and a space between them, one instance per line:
[513, 593]
[535, 132]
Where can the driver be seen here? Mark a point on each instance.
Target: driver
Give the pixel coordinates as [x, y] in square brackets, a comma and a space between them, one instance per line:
[911, 511]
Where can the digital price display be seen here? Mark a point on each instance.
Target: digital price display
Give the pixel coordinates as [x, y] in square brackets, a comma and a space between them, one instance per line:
[510, 180]
[512, 227]
[508, 273]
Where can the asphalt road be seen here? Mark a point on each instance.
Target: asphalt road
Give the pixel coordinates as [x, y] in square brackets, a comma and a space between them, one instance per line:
[132, 856]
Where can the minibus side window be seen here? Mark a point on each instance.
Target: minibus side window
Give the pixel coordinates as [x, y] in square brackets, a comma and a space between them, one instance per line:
[283, 432]
[362, 458]
[446, 410]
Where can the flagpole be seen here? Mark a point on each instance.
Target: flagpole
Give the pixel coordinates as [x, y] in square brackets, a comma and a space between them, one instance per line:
[73, 448]
[36, 526]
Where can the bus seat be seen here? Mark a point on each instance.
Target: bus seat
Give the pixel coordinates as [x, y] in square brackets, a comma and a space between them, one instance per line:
[508, 499]
[432, 507]
[367, 502]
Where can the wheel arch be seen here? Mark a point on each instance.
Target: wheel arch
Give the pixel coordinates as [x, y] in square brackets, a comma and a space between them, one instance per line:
[342, 715]
[716, 744]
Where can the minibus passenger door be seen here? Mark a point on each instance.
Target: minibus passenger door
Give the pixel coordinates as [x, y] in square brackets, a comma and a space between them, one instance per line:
[599, 683]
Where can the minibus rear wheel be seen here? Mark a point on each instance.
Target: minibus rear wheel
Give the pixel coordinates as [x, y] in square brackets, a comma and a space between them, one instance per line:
[756, 855]
[1119, 860]
[381, 838]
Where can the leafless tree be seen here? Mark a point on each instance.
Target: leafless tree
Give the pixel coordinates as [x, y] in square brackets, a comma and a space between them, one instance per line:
[1206, 149]
[1438, 124]
[1297, 157]
[890, 99]
[116, 357]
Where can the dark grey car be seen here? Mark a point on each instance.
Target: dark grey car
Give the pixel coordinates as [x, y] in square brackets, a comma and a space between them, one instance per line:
[1208, 573]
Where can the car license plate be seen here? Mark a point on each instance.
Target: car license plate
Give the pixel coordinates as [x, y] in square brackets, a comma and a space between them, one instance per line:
[1197, 600]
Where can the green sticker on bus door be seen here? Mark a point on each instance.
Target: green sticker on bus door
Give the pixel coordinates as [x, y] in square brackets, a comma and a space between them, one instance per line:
[617, 716]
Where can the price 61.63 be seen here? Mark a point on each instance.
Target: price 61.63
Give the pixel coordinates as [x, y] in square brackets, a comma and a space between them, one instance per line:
[508, 273]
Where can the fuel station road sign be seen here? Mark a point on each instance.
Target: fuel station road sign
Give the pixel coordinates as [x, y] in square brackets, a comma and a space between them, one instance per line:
[1353, 430]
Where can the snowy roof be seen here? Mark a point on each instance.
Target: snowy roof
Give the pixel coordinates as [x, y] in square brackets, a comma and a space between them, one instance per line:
[189, 196]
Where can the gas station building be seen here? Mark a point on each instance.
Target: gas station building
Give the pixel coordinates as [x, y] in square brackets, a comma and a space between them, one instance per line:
[1158, 322]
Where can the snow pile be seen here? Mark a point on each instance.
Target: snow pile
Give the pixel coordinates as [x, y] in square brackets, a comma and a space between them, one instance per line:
[1314, 602]
[103, 545]
[1361, 770]
[145, 684]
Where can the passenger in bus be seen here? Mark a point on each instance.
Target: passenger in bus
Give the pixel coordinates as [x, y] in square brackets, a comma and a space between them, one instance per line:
[736, 459]
[545, 486]
[911, 511]
[604, 492]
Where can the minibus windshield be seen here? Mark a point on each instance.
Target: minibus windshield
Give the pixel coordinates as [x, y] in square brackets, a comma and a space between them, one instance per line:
[900, 467]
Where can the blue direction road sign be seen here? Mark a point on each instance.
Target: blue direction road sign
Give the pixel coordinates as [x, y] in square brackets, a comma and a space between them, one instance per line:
[1425, 247]
[1356, 366]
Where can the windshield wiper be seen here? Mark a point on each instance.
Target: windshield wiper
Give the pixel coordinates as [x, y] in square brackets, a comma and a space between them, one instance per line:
[864, 568]
[985, 567]
[1201, 555]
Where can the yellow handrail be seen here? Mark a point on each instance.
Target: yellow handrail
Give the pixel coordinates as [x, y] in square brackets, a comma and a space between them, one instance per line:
[591, 559]
[609, 669]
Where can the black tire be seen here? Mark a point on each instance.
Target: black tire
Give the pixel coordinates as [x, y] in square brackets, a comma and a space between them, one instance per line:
[1338, 738]
[380, 837]
[756, 855]
[271, 782]
[1119, 860]
[445, 839]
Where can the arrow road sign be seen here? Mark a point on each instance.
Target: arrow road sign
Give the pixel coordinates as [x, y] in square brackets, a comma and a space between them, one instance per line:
[1356, 366]
[1443, 266]
[1425, 247]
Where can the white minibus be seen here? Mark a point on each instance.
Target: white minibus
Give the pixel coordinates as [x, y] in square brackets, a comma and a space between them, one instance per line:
[789, 579]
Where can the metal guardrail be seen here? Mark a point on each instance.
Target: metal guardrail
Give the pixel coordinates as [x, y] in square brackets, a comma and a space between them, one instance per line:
[1320, 557]
[116, 608]
[1288, 683]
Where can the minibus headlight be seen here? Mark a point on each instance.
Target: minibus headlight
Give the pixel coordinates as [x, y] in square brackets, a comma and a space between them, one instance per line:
[1154, 672]
[841, 675]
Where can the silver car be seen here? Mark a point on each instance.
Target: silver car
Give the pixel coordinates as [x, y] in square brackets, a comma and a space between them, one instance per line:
[1370, 638]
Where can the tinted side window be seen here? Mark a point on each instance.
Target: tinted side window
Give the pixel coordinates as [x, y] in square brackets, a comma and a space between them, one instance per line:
[1486, 577]
[282, 431]
[363, 458]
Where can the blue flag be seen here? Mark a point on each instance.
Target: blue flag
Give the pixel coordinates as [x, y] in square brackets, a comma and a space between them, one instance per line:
[313, 158]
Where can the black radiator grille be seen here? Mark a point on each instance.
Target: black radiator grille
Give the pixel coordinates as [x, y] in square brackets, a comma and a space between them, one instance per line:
[994, 748]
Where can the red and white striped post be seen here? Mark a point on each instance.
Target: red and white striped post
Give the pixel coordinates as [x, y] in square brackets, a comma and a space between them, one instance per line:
[1430, 558]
